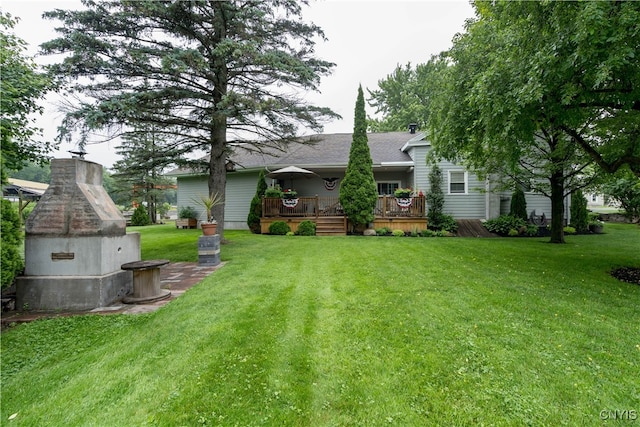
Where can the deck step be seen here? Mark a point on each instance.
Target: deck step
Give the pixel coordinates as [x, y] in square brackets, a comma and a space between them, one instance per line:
[331, 226]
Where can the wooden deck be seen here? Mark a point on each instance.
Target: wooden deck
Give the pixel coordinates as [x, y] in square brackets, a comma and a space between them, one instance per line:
[327, 213]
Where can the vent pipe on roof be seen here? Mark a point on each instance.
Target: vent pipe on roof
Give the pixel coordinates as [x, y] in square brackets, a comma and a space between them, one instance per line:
[413, 127]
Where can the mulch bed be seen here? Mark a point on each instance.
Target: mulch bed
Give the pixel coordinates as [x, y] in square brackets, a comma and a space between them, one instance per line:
[627, 274]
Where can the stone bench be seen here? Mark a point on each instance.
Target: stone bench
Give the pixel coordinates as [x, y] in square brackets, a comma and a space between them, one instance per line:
[146, 281]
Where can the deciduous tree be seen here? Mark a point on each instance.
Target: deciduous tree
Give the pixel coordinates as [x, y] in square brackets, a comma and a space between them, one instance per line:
[22, 86]
[527, 94]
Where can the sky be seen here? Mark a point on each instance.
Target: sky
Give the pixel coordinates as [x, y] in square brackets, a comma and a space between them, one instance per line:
[366, 40]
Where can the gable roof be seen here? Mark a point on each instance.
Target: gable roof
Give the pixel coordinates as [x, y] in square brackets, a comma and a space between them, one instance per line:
[326, 151]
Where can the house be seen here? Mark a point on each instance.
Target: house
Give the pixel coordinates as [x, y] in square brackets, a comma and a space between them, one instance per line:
[399, 160]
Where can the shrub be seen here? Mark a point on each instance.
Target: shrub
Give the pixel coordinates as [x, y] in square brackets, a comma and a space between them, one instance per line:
[11, 236]
[443, 222]
[382, 231]
[435, 197]
[435, 203]
[427, 233]
[290, 233]
[279, 228]
[531, 230]
[513, 232]
[26, 211]
[306, 228]
[397, 233]
[579, 214]
[255, 209]
[569, 230]
[186, 212]
[518, 206]
[504, 224]
[140, 216]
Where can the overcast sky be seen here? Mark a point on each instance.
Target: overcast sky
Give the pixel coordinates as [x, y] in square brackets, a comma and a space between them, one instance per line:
[366, 40]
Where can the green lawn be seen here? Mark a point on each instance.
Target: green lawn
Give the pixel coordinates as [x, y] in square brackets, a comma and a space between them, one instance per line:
[350, 331]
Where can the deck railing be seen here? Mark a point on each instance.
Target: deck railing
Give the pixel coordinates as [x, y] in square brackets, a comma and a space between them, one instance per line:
[386, 207]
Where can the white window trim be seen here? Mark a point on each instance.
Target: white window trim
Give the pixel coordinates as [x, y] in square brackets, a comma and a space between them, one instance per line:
[466, 182]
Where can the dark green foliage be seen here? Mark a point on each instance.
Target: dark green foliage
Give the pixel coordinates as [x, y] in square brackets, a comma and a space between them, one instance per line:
[11, 235]
[624, 188]
[255, 209]
[383, 231]
[279, 228]
[306, 228]
[146, 153]
[435, 203]
[445, 223]
[140, 216]
[197, 69]
[22, 87]
[186, 212]
[518, 206]
[26, 211]
[504, 224]
[274, 191]
[579, 218]
[358, 191]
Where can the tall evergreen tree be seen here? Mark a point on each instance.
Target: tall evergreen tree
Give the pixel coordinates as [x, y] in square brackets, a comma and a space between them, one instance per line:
[255, 210]
[139, 175]
[518, 207]
[358, 192]
[204, 68]
[435, 198]
[579, 213]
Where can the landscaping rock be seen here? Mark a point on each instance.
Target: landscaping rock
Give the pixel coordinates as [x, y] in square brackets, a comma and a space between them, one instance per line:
[370, 232]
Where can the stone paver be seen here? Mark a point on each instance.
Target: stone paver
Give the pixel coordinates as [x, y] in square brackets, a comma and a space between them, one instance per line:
[178, 277]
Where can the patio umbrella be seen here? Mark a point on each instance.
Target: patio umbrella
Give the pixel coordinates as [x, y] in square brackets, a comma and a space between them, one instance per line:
[291, 172]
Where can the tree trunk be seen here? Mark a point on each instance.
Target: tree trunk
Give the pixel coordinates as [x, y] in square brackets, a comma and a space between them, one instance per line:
[557, 207]
[218, 127]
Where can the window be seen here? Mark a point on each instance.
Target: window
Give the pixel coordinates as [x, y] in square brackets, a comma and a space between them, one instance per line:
[387, 188]
[457, 182]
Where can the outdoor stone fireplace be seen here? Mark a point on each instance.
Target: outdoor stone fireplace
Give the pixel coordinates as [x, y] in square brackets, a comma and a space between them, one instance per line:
[75, 243]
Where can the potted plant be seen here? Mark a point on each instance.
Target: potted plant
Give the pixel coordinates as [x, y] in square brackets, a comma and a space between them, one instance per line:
[210, 226]
[186, 217]
[290, 193]
[273, 192]
[403, 193]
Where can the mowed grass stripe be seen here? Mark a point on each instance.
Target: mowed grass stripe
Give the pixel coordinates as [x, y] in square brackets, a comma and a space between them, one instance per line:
[352, 331]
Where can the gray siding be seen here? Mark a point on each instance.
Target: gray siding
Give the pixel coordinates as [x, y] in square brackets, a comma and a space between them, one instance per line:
[420, 172]
[541, 204]
[190, 188]
[240, 189]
